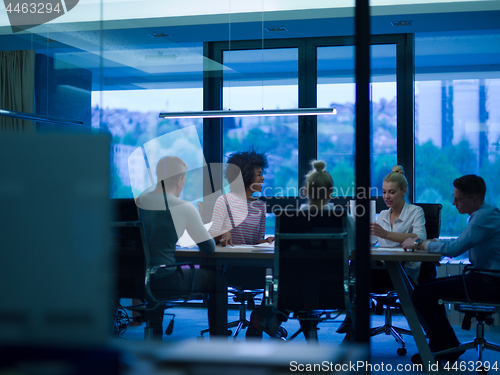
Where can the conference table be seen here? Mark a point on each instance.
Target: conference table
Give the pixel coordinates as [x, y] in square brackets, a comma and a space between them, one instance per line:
[261, 256]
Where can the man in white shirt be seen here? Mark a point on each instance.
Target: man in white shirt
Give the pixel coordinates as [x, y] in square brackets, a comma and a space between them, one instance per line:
[481, 238]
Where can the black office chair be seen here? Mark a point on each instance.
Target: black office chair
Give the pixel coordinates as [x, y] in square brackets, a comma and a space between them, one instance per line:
[153, 309]
[246, 299]
[482, 311]
[311, 268]
[389, 301]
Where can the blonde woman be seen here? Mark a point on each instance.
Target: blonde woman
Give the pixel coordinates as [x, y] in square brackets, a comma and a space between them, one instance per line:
[318, 186]
[401, 220]
[318, 189]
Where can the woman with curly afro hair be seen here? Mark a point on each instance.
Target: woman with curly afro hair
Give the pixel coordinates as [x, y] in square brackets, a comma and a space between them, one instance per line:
[239, 218]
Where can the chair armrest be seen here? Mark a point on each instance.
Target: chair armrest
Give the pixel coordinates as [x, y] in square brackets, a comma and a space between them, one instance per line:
[152, 270]
[469, 269]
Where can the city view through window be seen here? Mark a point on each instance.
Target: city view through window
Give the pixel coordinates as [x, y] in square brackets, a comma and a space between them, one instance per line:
[457, 132]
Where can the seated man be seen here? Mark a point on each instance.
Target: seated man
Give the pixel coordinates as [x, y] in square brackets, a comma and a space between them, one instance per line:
[481, 238]
[165, 219]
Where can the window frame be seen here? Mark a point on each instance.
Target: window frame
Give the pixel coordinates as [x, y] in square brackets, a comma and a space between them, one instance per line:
[307, 98]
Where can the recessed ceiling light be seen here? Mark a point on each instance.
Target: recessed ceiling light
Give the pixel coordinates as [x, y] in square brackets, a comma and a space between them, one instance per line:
[402, 23]
[158, 35]
[278, 28]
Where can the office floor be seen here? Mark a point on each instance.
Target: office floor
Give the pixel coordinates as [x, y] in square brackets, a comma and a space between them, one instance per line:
[189, 321]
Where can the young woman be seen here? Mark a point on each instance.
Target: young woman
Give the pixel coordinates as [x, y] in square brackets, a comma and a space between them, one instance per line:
[401, 220]
[239, 218]
[318, 190]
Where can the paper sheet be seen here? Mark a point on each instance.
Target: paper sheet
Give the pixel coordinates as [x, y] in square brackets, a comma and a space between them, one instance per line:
[387, 248]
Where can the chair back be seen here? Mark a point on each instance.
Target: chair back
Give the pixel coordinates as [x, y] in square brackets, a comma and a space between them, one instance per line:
[147, 257]
[311, 265]
[151, 236]
[432, 212]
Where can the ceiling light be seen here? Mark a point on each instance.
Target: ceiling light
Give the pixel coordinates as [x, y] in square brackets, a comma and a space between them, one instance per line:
[402, 23]
[38, 118]
[278, 28]
[158, 35]
[263, 112]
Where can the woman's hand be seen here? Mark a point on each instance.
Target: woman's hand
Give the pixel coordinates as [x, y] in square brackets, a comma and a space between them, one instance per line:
[409, 244]
[226, 240]
[268, 240]
[378, 231]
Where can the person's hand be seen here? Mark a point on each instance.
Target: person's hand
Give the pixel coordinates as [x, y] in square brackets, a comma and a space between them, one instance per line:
[409, 244]
[226, 240]
[268, 240]
[377, 230]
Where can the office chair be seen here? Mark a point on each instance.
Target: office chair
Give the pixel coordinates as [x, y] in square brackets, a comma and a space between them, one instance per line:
[154, 306]
[389, 301]
[482, 311]
[246, 300]
[311, 268]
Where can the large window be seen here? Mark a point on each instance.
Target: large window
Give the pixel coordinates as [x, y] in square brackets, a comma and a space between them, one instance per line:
[264, 79]
[315, 72]
[336, 134]
[128, 102]
[132, 119]
[457, 123]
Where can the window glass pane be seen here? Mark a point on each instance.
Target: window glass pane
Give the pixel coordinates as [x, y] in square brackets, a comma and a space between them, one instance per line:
[336, 134]
[264, 79]
[128, 102]
[457, 123]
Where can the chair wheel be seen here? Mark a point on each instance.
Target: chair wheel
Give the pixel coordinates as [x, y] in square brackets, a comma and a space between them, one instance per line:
[402, 351]
[229, 332]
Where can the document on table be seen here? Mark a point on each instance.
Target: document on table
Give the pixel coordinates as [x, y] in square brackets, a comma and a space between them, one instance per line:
[262, 247]
[265, 246]
[377, 248]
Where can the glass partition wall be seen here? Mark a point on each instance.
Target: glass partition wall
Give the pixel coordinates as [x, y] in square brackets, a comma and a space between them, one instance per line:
[113, 70]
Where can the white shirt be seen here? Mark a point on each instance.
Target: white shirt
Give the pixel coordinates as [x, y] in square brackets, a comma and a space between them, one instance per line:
[411, 220]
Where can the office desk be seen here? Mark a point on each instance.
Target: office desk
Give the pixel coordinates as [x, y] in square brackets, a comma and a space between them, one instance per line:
[250, 256]
[225, 256]
[392, 259]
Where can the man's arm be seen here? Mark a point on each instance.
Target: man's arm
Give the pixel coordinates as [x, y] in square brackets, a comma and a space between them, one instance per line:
[471, 236]
[198, 232]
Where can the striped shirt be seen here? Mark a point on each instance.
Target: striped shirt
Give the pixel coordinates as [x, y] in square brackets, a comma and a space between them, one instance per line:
[246, 219]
